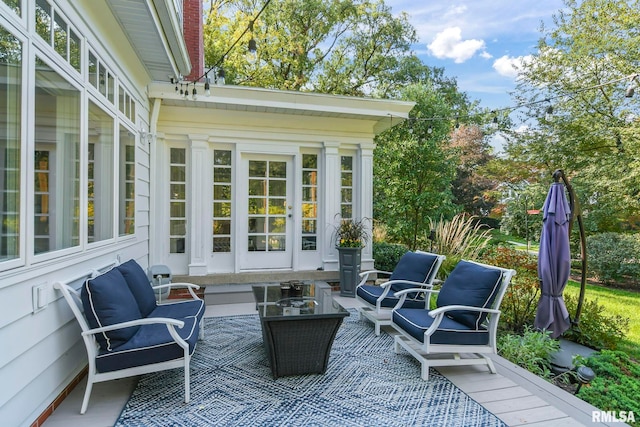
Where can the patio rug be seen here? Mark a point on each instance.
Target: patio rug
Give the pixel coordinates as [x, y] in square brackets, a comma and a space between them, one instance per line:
[366, 384]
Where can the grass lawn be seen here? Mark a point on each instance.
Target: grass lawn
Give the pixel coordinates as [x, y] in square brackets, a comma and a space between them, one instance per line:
[616, 302]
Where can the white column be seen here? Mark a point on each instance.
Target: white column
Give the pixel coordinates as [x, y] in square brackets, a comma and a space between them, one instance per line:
[365, 198]
[200, 205]
[331, 203]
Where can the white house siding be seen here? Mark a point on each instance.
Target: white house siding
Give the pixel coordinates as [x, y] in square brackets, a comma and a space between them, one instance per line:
[41, 352]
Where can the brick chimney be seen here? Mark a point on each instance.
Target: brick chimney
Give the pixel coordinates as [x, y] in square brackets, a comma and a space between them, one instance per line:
[193, 37]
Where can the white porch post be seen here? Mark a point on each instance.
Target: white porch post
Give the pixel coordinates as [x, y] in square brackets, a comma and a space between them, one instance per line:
[365, 198]
[331, 186]
[199, 197]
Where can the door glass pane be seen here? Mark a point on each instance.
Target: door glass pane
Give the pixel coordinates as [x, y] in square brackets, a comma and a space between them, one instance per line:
[278, 188]
[277, 169]
[267, 205]
[257, 168]
[257, 187]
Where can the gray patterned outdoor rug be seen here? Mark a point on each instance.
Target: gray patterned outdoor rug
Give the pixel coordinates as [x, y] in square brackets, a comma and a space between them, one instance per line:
[366, 384]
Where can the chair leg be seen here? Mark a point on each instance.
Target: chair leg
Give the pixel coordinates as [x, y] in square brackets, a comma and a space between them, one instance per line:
[87, 393]
[377, 328]
[424, 370]
[490, 364]
[187, 380]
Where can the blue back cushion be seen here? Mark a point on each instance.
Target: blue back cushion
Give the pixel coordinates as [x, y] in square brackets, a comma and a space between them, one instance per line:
[107, 300]
[473, 285]
[413, 266]
[140, 287]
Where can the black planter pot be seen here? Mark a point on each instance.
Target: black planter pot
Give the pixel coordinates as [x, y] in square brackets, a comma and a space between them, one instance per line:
[349, 270]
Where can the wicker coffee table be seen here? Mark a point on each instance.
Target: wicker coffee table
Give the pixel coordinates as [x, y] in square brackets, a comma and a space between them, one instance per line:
[298, 331]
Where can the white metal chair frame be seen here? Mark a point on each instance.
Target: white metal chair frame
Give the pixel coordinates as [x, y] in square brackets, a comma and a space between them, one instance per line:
[452, 352]
[381, 316]
[72, 296]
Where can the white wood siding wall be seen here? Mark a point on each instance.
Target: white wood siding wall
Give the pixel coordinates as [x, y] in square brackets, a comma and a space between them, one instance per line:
[41, 352]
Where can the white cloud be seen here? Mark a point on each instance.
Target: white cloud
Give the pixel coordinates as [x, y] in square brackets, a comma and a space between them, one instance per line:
[510, 66]
[449, 44]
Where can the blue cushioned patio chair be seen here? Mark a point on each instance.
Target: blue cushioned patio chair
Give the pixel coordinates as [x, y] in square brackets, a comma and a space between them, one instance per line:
[414, 270]
[465, 319]
[125, 332]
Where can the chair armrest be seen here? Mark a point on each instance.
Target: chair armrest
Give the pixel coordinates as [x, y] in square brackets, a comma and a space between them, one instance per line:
[147, 321]
[424, 289]
[438, 315]
[442, 310]
[365, 275]
[388, 273]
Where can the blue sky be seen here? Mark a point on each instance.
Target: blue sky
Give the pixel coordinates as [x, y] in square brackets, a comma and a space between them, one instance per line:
[478, 41]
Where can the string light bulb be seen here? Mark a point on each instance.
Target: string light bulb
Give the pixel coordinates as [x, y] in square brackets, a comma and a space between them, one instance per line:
[207, 85]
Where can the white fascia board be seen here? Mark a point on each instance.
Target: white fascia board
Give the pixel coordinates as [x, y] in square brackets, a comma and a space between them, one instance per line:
[385, 112]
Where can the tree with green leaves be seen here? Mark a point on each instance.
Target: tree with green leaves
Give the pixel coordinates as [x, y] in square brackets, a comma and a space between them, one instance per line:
[584, 65]
[348, 47]
[414, 165]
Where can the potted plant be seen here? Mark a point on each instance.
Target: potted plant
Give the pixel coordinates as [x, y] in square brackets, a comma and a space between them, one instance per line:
[351, 236]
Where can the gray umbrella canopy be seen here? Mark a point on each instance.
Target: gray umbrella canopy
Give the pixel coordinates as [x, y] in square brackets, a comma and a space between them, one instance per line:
[554, 262]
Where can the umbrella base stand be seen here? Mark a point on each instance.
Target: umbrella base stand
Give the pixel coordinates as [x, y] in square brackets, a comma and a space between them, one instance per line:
[562, 360]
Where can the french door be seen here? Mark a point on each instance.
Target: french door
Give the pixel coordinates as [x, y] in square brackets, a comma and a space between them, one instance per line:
[266, 212]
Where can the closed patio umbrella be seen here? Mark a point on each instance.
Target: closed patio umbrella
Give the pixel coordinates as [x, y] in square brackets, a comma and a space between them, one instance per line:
[554, 262]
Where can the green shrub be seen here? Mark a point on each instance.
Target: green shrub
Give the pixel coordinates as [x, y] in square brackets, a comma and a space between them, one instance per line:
[532, 350]
[596, 329]
[521, 299]
[614, 256]
[616, 386]
[387, 255]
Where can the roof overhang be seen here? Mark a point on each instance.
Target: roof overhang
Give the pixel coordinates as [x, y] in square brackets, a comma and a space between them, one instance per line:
[382, 112]
[154, 28]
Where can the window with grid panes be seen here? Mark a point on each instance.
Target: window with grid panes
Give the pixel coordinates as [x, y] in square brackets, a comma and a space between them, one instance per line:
[309, 202]
[177, 200]
[346, 187]
[222, 173]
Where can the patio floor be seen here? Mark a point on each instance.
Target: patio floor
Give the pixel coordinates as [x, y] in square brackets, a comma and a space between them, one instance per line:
[513, 394]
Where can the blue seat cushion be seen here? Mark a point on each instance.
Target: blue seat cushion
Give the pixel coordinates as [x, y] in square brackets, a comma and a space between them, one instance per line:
[140, 286]
[107, 300]
[413, 266]
[416, 321]
[180, 310]
[473, 285]
[371, 293]
[151, 344]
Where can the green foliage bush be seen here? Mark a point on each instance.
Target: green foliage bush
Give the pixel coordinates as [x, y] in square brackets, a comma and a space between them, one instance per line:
[521, 299]
[387, 255]
[616, 386]
[596, 329]
[532, 350]
[613, 256]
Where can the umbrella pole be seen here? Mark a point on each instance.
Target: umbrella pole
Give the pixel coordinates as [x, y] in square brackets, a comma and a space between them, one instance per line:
[576, 213]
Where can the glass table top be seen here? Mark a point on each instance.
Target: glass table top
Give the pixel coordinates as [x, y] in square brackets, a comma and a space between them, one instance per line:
[300, 299]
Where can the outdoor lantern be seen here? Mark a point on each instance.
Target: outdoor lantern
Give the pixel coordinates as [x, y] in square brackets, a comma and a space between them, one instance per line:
[585, 376]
